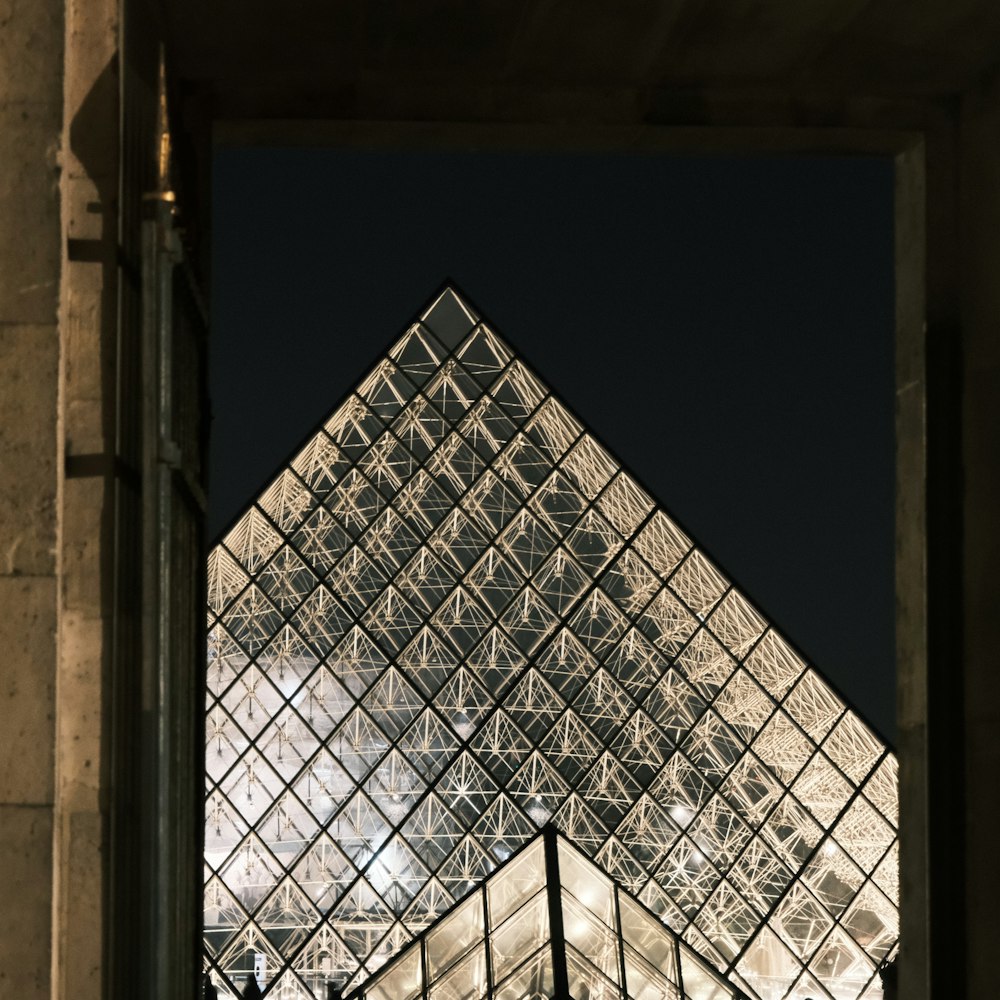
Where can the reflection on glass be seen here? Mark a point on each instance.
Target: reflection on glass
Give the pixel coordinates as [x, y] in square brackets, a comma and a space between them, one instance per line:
[515, 882]
[466, 981]
[454, 935]
[768, 965]
[533, 981]
[648, 937]
[521, 935]
[699, 982]
[586, 882]
[590, 936]
[644, 982]
[840, 966]
[586, 981]
[402, 982]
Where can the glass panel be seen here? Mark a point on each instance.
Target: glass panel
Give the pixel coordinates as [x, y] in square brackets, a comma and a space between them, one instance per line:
[524, 933]
[841, 966]
[403, 981]
[864, 834]
[454, 935]
[872, 920]
[590, 936]
[586, 981]
[801, 921]
[649, 937]
[625, 504]
[466, 981]
[646, 983]
[698, 583]
[853, 748]
[703, 947]
[883, 789]
[887, 874]
[516, 882]
[699, 982]
[832, 876]
[767, 965]
[774, 664]
[807, 988]
[744, 705]
[791, 832]
[813, 706]
[822, 790]
[662, 544]
[586, 883]
[533, 981]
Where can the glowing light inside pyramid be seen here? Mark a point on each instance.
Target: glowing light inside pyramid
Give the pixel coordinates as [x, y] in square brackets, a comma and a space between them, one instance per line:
[454, 618]
[527, 934]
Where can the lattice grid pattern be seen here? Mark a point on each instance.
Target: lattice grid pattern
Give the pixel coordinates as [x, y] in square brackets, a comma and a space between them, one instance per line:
[454, 618]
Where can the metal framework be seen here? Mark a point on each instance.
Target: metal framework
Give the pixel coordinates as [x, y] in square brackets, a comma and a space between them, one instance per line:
[454, 619]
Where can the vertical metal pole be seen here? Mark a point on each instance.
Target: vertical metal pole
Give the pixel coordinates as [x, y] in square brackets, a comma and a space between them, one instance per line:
[487, 950]
[167, 752]
[159, 259]
[150, 601]
[166, 969]
[622, 990]
[677, 959]
[553, 887]
[423, 967]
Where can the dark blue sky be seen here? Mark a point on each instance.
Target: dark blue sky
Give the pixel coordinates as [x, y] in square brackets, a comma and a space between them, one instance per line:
[725, 326]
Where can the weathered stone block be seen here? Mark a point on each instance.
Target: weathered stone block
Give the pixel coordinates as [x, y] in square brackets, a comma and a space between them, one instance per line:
[79, 713]
[26, 919]
[29, 359]
[31, 43]
[30, 238]
[88, 353]
[84, 549]
[27, 690]
[83, 427]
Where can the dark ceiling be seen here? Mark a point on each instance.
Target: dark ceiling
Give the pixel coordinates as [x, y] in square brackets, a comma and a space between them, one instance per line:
[491, 59]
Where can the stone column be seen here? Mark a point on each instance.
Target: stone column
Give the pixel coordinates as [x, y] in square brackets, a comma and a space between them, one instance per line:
[88, 325]
[58, 306]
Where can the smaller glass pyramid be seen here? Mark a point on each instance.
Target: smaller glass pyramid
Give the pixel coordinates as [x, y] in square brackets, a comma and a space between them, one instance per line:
[548, 924]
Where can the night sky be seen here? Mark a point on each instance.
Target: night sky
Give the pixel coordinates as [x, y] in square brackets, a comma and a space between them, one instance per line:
[724, 325]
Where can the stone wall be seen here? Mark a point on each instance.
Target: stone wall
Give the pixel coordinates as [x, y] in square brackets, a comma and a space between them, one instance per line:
[88, 328]
[57, 322]
[31, 117]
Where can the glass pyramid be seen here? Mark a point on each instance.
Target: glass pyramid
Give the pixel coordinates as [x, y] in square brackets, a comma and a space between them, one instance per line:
[454, 619]
[548, 923]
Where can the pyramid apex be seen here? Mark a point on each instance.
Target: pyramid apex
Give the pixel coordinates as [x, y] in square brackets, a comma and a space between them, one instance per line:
[449, 317]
